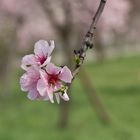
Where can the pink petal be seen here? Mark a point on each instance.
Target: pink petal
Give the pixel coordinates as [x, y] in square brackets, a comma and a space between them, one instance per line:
[46, 62]
[52, 46]
[50, 94]
[42, 48]
[44, 76]
[24, 82]
[57, 97]
[29, 80]
[27, 61]
[52, 69]
[65, 96]
[33, 72]
[66, 75]
[41, 87]
[44, 89]
[58, 85]
[32, 95]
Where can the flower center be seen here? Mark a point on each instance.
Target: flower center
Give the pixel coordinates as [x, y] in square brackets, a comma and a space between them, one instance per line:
[53, 78]
[42, 59]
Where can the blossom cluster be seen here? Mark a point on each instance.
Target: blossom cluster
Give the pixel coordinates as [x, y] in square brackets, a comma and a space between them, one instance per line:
[42, 79]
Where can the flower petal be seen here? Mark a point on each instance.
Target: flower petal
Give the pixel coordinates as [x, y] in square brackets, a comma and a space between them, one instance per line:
[28, 82]
[33, 72]
[41, 87]
[52, 46]
[27, 61]
[66, 75]
[46, 62]
[52, 69]
[58, 85]
[65, 96]
[24, 83]
[42, 48]
[50, 93]
[44, 76]
[32, 95]
[57, 97]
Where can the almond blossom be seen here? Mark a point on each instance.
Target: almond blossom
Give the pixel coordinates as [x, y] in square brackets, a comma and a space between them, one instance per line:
[43, 79]
[52, 80]
[41, 56]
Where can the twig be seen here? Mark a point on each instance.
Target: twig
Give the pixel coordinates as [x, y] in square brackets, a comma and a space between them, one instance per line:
[88, 40]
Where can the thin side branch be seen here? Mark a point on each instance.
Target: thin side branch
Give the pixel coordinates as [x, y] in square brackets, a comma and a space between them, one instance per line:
[88, 39]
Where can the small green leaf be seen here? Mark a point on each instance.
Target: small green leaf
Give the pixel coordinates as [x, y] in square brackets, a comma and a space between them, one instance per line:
[77, 60]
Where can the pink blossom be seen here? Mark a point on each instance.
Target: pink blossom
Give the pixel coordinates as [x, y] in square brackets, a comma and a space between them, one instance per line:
[29, 81]
[42, 78]
[41, 56]
[51, 81]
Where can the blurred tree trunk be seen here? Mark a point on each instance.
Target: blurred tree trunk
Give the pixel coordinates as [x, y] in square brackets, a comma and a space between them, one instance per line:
[4, 64]
[93, 97]
[99, 48]
[65, 106]
[7, 63]
[88, 86]
[8, 53]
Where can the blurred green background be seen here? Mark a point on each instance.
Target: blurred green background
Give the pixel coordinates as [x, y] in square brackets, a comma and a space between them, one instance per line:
[119, 89]
[112, 69]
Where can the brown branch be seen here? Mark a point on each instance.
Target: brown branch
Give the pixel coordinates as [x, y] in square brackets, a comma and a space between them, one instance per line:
[88, 39]
[97, 15]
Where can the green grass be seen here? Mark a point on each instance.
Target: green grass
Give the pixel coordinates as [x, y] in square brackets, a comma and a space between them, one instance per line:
[118, 84]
